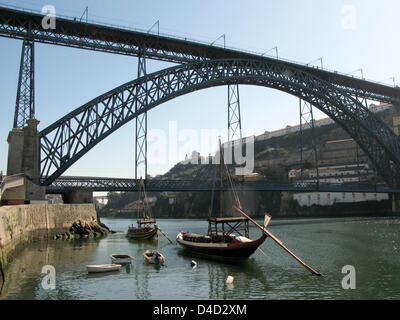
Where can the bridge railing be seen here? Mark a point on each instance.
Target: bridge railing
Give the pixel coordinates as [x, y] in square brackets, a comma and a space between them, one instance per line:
[64, 184]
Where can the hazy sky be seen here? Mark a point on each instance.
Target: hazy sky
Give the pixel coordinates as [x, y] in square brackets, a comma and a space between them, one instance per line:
[348, 35]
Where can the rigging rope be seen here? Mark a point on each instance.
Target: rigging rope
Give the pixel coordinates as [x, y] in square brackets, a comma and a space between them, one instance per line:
[235, 195]
[148, 208]
[212, 193]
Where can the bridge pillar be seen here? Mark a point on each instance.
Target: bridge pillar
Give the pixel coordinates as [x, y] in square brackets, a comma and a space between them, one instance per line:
[23, 165]
[234, 121]
[307, 123]
[395, 203]
[30, 156]
[25, 102]
[15, 151]
[78, 196]
[141, 130]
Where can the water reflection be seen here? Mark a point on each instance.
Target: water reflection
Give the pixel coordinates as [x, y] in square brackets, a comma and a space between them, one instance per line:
[24, 273]
[371, 246]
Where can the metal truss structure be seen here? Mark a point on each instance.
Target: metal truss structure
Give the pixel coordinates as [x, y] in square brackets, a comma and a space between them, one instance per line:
[66, 184]
[68, 139]
[141, 129]
[25, 102]
[71, 32]
[307, 132]
[234, 120]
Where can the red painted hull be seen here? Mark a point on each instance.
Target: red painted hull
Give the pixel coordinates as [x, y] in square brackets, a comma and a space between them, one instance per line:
[233, 249]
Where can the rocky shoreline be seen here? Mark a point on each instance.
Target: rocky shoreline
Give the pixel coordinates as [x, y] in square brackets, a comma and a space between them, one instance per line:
[81, 229]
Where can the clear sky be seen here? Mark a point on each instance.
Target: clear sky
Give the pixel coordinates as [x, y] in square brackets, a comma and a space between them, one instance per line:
[348, 35]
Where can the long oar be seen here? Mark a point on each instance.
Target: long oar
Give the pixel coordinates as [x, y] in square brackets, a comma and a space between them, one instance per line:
[162, 233]
[278, 242]
[158, 228]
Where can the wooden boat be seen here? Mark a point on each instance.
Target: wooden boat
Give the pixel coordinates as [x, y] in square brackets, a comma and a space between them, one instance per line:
[220, 240]
[146, 227]
[153, 256]
[144, 230]
[121, 258]
[221, 244]
[95, 268]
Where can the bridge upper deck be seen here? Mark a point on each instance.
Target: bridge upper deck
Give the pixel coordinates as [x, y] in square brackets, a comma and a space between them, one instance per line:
[119, 40]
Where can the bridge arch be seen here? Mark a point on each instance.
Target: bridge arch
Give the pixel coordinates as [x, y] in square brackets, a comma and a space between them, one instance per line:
[68, 139]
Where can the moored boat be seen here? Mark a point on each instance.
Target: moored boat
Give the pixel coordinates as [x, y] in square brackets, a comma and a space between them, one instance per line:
[146, 227]
[96, 268]
[221, 241]
[121, 258]
[144, 231]
[154, 257]
[220, 244]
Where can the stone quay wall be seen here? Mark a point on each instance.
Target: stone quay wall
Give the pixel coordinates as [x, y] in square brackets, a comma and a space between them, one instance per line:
[24, 223]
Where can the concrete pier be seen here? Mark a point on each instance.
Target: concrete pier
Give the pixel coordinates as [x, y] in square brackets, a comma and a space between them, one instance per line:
[22, 182]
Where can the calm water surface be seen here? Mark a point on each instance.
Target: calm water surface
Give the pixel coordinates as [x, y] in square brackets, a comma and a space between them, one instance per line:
[372, 246]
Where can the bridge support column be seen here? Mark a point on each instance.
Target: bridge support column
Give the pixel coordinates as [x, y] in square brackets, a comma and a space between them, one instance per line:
[23, 166]
[307, 123]
[78, 196]
[15, 151]
[25, 102]
[30, 157]
[395, 203]
[234, 121]
[141, 131]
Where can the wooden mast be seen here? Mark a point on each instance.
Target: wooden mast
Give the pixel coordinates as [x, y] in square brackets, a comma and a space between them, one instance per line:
[221, 198]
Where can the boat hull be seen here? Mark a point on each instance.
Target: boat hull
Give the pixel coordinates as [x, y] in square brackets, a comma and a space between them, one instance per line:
[237, 250]
[153, 257]
[121, 259]
[142, 235]
[103, 268]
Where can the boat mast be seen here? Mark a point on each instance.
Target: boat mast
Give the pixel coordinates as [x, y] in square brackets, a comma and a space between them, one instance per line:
[221, 192]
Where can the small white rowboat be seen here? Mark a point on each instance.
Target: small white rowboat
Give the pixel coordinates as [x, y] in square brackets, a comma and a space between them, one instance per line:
[103, 267]
[121, 258]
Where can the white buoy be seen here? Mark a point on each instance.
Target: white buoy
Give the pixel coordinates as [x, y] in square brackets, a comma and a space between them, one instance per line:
[193, 264]
[229, 280]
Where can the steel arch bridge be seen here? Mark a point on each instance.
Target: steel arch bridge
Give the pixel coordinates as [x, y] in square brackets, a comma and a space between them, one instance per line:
[68, 139]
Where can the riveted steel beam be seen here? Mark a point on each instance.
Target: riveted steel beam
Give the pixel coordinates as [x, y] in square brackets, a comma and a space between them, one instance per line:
[234, 120]
[141, 130]
[25, 102]
[307, 135]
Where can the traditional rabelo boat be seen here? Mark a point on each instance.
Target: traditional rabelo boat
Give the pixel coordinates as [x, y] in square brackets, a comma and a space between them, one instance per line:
[221, 239]
[146, 226]
[221, 242]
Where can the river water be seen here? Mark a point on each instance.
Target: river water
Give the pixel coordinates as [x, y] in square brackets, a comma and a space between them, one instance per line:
[371, 246]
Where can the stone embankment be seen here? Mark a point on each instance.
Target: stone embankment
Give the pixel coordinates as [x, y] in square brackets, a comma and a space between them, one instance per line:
[21, 224]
